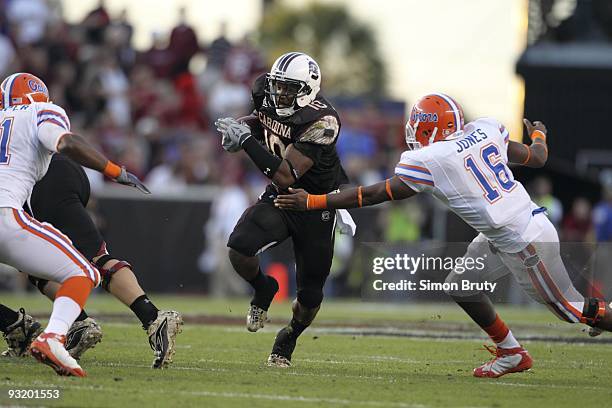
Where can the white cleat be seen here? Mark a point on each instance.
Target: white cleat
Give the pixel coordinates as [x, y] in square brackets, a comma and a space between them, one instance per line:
[162, 336]
[82, 336]
[48, 348]
[275, 360]
[506, 361]
[256, 318]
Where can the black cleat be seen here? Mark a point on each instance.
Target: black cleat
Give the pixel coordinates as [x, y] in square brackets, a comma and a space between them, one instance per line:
[283, 348]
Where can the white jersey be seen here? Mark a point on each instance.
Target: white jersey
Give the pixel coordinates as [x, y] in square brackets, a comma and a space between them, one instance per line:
[471, 176]
[28, 138]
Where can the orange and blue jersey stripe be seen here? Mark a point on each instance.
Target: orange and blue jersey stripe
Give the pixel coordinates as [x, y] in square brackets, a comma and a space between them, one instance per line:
[58, 240]
[414, 174]
[504, 132]
[54, 117]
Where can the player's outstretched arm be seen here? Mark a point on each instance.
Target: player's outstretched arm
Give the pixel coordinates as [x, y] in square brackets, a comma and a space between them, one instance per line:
[79, 150]
[390, 189]
[534, 155]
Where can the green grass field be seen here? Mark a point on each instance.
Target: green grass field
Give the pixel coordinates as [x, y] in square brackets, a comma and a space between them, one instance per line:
[357, 354]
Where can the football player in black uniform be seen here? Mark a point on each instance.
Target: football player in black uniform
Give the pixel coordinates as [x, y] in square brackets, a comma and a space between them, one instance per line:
[293, 142]
[60, 198]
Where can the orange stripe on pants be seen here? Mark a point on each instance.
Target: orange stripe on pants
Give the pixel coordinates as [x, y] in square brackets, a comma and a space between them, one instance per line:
[55, 244]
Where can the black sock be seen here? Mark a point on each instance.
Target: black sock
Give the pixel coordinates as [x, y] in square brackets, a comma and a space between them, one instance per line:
[145, 310]
[265, 289]
[7, 317]
[259, 282]
[297, 328]
[82, 316]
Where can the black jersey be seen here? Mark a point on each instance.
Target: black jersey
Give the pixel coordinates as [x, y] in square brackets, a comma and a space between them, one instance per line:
[65, 179]
[313, 130]
[60, 198]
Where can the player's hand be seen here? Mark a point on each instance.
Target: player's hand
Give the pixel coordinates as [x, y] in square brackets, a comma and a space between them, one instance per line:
[233, 133]
[229, 145]
[128, 179]
[297, 200]
[532, 127]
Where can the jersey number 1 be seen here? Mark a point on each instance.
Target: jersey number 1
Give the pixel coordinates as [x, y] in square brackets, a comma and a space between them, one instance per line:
[492, 159]
[5, 138]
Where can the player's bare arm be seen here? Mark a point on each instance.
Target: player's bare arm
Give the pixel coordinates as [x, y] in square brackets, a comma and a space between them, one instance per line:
[291, 168]
[78, 149]
[388, 190]
[283, 172]
[534, 155]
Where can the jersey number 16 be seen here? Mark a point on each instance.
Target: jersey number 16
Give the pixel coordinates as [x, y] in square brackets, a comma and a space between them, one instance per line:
[499, 176]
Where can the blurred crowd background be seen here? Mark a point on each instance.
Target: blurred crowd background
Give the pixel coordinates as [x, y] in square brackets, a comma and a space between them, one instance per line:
[153, 109]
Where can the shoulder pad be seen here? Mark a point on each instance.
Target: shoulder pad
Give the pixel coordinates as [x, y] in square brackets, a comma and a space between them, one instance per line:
[324, 131]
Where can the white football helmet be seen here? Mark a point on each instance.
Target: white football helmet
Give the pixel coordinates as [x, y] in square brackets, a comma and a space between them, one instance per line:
[293, 82]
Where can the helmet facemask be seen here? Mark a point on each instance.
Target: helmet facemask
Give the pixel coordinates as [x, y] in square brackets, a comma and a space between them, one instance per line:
[411, 140]
[428, 136]
[284, 94]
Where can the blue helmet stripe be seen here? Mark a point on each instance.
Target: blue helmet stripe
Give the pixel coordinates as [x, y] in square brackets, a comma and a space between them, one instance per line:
[286, 63]
[282, 60]
[8, 89]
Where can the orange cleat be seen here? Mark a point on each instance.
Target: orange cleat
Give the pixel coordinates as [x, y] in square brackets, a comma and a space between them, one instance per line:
[506, 361]
[48, 348]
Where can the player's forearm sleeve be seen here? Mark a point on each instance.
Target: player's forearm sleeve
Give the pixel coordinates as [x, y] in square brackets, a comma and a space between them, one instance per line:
[263, 159]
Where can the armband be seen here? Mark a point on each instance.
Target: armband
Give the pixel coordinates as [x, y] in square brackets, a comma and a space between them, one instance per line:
[265, 161]
[388, 188]
[528, 155]
[293, 171]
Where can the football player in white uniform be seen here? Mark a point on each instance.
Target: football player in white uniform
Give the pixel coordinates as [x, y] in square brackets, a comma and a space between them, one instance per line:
[32, 129]
[466, 168]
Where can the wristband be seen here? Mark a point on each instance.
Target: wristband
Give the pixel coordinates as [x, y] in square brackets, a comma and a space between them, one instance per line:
[359, 197]
[538, 134]
[112, 170]
[316, 201]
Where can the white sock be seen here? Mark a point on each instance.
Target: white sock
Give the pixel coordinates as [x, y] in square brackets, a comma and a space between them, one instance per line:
[509, 341]
[65, 312]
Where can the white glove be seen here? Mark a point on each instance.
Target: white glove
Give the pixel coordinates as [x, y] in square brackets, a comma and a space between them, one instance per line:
[345, 223]
[233, 133]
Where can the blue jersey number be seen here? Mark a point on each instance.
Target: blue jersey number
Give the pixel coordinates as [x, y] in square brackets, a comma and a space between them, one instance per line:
[492, 159]
[5, 137]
